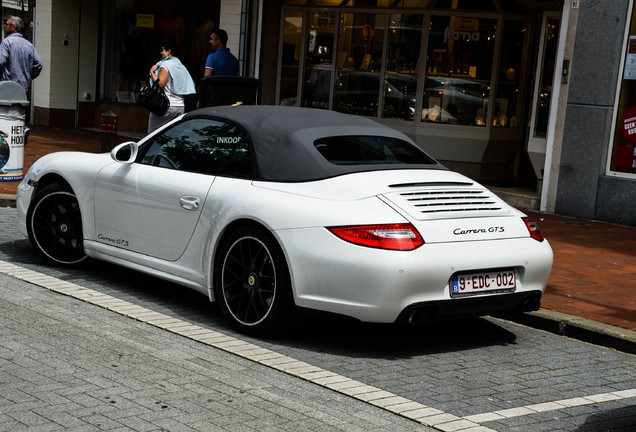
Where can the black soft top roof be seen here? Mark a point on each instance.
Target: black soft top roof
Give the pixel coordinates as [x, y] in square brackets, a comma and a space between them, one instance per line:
[283, 139]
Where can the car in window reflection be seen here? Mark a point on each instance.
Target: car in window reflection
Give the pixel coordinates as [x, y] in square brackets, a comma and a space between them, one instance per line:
[358, 93]
[271, 211]
[455, 101]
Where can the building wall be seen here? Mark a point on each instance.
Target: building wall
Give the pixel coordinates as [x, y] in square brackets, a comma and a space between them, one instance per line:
[583, 189]
[88, 53]
[269, 49]
[57, 42]
[230, 21]
[42, 41]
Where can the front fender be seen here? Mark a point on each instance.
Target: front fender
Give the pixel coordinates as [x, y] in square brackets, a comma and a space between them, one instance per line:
[75, 169]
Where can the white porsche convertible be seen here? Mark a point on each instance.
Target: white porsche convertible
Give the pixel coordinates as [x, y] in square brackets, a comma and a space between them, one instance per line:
[266, 209]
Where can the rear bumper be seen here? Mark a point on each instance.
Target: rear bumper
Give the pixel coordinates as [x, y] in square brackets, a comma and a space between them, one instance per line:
[375, 285]
[471, 306]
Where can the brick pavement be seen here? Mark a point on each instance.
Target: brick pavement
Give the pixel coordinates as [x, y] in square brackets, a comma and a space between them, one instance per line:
[66, 365]
[594, 270]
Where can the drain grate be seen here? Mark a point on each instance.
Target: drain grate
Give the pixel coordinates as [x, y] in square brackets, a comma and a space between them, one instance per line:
[574, 223]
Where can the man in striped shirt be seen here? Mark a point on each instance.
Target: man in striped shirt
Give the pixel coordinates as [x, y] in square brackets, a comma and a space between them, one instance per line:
[19, 62]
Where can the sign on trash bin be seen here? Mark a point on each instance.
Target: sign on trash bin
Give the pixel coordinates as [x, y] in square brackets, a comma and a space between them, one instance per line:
[11, 150]
[12, 131]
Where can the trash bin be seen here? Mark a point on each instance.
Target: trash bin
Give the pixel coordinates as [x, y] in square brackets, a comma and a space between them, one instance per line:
[13, 101]
[216, 90]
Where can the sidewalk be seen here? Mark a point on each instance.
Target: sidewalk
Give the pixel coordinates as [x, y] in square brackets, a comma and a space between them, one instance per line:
[592, 290]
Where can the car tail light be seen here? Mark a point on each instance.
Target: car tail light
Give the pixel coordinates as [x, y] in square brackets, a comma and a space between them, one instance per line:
[533, 229]
[387, 236]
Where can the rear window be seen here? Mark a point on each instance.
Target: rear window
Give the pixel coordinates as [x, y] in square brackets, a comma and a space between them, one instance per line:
[370, 150]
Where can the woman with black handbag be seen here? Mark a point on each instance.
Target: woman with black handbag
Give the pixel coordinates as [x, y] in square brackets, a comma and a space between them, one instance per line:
[171, 76]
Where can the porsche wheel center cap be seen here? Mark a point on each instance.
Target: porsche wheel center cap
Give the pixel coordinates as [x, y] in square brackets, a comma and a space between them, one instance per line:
[251, 280]
[63, 228]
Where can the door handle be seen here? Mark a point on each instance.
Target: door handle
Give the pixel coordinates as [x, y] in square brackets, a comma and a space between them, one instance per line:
[190, 202]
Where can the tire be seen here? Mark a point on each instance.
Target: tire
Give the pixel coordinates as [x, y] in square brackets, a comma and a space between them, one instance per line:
[54, 225]
[252, 284]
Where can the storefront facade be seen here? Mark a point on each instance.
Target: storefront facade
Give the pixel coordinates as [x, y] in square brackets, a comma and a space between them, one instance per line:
[504, 91]
[98, 53]
[457, 76]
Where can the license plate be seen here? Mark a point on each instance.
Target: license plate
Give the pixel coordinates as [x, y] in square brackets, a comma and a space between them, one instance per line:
[495, 281]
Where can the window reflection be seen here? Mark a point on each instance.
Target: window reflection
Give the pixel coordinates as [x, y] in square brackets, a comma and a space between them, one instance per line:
[319, 59]
[348, 68]
[507, 110]
[458, 70]
[202, 146]
[357, 87]
[402, 58]
[550, 45]
[292, 32]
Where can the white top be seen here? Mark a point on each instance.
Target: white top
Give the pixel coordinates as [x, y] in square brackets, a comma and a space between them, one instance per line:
[175, 100]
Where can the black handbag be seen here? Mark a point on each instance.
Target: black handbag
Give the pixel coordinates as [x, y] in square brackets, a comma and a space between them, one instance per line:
[154, 99]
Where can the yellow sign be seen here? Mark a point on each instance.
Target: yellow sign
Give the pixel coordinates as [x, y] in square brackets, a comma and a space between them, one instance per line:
[466, 24]
[146, 20]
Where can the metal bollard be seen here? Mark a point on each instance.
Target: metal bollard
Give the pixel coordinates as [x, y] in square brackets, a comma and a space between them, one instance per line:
[108, 132]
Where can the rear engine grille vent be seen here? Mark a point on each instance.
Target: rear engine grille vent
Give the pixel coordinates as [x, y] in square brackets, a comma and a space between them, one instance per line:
[451, 201]
[441, 203]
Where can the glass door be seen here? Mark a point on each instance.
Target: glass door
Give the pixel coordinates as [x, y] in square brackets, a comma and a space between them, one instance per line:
[542, 96]
[319, 59]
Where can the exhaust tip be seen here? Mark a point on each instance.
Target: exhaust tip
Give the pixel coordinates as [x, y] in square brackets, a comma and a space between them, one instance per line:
[420, 316]
[531, 304]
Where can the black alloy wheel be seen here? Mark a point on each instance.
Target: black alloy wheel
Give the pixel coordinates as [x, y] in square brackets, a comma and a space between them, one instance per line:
[54, 225]
[252, 281]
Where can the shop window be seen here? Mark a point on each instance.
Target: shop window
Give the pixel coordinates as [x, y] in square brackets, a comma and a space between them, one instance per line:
[319, 59]
[292, 32]
[359, 64]
[139, 30]
[458, 70]
[546, 75]
[623, 151]
[402, 58]
[508, 103]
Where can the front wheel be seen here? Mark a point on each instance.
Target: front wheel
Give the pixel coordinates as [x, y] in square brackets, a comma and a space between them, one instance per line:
[252, 283]
[54, 225]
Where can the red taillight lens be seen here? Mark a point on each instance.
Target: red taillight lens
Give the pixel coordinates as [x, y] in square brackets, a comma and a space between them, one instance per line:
[533, 229]
[387, 236]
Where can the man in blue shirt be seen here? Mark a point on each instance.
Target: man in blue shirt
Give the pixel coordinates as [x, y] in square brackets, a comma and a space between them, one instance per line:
[221, 61]
[19, 62]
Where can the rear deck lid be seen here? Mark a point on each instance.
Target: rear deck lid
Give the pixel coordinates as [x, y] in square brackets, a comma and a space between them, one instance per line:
[455, 211]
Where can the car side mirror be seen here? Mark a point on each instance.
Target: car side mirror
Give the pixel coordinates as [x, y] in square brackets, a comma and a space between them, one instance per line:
[125, 152]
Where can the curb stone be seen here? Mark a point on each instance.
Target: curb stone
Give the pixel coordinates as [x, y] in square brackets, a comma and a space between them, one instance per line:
[7, 200]
[582, 329]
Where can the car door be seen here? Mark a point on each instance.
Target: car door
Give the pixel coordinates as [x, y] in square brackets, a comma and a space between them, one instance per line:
[153, 205]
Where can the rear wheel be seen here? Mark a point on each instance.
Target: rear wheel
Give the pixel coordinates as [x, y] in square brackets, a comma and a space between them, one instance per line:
[252, 283]
[54, 225]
